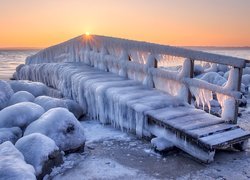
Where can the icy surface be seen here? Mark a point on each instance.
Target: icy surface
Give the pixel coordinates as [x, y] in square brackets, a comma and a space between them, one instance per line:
[12, 164]
[20, 114]
[5, 93]
[10, 134]
[36, 149]
[21, 96]
[60, 125]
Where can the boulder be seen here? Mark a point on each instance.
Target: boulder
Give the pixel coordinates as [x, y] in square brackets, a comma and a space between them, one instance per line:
[60, 125]
[41, 152]
[12, 164]
[20, 115]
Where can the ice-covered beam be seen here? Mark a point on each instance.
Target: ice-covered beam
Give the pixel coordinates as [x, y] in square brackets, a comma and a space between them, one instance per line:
[113, 45]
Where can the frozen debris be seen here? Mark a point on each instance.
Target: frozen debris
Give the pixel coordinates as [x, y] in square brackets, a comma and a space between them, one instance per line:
[162, 144]
[49, 102]
[5, 93]
[35, 88]
[198, 69]
[41, 152]
[20, 114]
[10, 134]
[60, 125]
[21, 96]
[12, 164]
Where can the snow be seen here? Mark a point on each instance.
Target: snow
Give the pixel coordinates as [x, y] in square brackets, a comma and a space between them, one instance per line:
[5, 93]
[36, 149]
[21, 96]
[12, 164]
[49, 102]
[10, 134]
[20, 114]
[60, 125]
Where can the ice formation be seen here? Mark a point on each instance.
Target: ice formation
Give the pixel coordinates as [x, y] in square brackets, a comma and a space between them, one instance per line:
[60, 125]
[21, 96]
[20, 115]
[161, 144]
[5, 93]
[10, 134]
[49, 102]
[12, 164]
[37, 149]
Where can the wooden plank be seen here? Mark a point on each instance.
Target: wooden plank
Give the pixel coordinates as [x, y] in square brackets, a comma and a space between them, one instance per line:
[225, 137]
[169, 113]
[209, 130]
[195, 123]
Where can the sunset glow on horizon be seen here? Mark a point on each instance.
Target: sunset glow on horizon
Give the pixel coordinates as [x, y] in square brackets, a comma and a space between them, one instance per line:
[42, 23]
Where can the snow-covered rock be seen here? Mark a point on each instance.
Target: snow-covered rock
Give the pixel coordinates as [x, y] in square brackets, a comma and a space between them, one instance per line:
[49, 102]
[12, 164]
[35, 88]
[212, 68]
[5, 93]
[213, 78]
[40, 151]
[20, 114]
[10, 134]
[60, 125]
[21, 96]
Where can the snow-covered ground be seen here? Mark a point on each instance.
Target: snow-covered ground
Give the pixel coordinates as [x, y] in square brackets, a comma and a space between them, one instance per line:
[112, 154]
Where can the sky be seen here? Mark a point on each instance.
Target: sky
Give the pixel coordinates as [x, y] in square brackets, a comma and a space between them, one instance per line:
[42, 23]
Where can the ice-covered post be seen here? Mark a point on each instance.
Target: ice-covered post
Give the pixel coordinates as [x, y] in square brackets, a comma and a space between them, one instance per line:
[87, 50]
[186, 72]
[238, 88]
[124, 58]
[230, 104]
[151, 63]
[102, 64]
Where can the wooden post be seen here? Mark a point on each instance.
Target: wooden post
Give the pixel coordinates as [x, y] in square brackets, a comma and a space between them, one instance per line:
[191, 75]
[236, 110]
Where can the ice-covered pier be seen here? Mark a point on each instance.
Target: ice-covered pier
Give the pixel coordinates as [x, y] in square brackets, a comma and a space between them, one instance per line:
[146, 88]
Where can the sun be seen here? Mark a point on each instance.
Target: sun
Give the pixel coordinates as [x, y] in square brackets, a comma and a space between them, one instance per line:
[87, 33]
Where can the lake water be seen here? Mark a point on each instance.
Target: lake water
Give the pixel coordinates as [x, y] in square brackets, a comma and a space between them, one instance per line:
[10, 59]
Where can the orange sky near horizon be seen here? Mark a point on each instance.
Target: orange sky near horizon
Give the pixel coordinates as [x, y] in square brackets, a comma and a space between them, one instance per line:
[42, 23]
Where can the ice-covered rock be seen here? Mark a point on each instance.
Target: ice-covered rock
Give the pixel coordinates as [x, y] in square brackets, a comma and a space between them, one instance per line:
[198, 69]
[60, 125]
[162, 144]
[213, 78]
[222, 68]
[10, 134]
[246, 79]
[5, 93]
[12, 164]
[212, 68]
[20, 114]
[21, 96]
[35, 88]
[40, 151]
[49, 102]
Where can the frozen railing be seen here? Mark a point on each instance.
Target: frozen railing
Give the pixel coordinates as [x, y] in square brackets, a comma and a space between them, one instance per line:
[140, 60]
